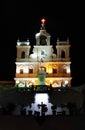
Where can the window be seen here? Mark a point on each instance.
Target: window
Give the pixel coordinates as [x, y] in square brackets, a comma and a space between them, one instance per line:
[21, 71]
[43, 40]
[42, 52]
[62, 54]
[54, 71]
[30, 71]
[64, 70]
[23, 55]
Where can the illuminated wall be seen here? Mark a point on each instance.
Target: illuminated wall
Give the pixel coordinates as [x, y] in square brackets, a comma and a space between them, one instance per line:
[54, 60]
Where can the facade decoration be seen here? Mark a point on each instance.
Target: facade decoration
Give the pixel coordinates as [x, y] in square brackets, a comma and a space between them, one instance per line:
[44, 64]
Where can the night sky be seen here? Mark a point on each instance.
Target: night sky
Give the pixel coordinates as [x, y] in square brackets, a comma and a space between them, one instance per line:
[22, 20]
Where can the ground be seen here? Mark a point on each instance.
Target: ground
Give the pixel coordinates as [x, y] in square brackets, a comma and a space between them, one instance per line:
[10, 122]
[49, 123]
[57, 96]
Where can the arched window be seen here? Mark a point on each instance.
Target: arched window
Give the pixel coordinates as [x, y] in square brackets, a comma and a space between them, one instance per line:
[54, 70]
[43, 40]
[64, 70]
[21, 71]
[62, 54]
[23, 54]
[31, 71]
[56, 51]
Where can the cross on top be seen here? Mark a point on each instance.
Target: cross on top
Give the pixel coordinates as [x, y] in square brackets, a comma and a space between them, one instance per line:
[43, 21]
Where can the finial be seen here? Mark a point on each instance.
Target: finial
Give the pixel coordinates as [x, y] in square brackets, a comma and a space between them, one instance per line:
[67, 38]
[43, 23]
[57, 40]
[27, 39]
[18, 40]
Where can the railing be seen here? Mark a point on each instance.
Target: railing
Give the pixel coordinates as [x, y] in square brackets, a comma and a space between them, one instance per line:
[26, 75]
[45, 60]
[58, 75]
[47, 75]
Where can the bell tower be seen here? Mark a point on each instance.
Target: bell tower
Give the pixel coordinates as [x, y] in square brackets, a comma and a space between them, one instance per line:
[63, 50]
[42, 38]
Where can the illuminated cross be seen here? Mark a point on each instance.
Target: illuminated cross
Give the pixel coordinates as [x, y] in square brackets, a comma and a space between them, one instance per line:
[43, 21]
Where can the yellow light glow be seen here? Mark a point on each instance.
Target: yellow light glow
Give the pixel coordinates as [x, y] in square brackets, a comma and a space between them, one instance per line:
[55, 85]
[50, 70]
[66, 82]
[51, 81]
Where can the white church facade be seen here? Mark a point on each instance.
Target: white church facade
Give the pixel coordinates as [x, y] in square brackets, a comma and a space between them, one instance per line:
[43, 64]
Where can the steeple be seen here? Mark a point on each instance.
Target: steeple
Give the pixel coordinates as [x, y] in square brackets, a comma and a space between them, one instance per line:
[42, 38]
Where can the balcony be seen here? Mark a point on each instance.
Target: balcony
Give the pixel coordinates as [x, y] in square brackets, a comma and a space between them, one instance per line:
[26, 75]
[58, 75]
[47, 75]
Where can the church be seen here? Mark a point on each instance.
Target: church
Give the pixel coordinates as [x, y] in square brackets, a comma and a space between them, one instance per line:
[43, 63]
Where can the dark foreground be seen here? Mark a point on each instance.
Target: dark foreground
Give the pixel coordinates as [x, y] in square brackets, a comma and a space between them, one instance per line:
[39, 123]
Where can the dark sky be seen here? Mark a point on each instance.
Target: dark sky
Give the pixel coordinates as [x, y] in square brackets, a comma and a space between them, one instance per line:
[22, 20]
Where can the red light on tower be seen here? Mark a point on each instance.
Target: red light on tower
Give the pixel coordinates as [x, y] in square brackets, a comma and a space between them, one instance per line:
[43, 21]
